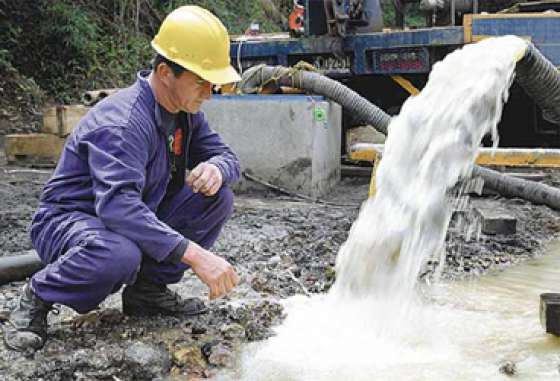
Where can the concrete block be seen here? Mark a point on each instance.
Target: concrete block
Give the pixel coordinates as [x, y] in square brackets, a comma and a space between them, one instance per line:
[495, 221]
[291, 141]
[35, 149]
[61, 120]
[550, 313]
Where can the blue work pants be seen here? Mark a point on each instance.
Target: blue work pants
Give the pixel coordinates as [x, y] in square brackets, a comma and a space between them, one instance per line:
[85, 262]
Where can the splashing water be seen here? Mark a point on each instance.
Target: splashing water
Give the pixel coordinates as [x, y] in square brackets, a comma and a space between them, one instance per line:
[372, 323]
[430, 146]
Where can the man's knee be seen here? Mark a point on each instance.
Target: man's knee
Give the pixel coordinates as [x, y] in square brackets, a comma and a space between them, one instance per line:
[122, 260]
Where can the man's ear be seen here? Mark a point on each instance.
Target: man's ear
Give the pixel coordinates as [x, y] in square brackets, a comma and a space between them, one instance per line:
[164, 74]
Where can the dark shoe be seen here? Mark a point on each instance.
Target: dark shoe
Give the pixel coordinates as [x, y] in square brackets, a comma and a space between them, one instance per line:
[147, 299]
[27, 325]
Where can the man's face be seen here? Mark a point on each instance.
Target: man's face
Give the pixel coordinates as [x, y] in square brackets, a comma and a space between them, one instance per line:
[187, 91]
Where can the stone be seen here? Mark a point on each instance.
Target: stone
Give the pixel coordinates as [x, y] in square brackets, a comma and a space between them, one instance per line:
[4, 314]
[508, 368]
[232, 331]
[495, 221]
[257, 331]
[145, 359]
[218, 354]
[550, 313]
[189, 356]
[260, 283]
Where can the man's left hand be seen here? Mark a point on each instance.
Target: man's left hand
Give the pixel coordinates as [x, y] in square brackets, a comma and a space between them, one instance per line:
[205, 178]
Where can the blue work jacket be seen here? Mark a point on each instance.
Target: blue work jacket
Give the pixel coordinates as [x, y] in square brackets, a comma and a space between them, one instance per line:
[116, 166]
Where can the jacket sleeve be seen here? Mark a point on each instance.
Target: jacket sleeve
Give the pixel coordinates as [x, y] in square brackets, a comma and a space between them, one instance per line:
[117, 158]
[207, 146]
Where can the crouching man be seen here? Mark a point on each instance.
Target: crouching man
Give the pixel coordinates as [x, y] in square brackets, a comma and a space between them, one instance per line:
[119, 208]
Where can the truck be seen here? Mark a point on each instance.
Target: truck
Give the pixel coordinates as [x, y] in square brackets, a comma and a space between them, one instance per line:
[345, 40]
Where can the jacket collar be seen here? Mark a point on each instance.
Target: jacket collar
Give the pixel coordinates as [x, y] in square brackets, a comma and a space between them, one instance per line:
[142, 80]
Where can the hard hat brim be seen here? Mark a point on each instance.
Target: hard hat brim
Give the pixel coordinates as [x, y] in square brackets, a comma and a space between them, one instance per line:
[219, 76]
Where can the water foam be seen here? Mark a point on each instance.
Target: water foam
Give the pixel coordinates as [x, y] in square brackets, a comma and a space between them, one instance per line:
[372, 323]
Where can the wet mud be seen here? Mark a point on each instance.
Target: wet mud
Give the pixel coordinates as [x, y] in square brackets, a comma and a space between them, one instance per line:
[280, 246]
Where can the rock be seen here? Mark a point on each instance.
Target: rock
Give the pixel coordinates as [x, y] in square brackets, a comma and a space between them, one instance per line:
[147, 360]
[220, 355]
[198, 328]
[4, 314]
[495, 221]
[330, 273]
[96, 319]
[256, 331]
[508, 368]
[261, 283]
[550, 313]
[275, 260]
[191, 357]
[232, 331]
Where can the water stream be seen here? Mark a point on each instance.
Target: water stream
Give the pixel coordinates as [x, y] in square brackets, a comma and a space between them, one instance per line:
[377, 322]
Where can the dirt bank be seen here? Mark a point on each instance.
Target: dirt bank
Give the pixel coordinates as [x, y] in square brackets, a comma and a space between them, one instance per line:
[281, 246]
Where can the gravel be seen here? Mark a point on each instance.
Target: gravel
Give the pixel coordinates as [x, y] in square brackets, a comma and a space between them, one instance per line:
[280, 246]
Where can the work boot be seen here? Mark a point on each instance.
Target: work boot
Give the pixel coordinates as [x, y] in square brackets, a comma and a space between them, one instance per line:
[144, 298]
[27, 325]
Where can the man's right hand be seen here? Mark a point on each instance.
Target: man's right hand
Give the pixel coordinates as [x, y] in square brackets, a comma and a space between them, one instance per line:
[214, 271]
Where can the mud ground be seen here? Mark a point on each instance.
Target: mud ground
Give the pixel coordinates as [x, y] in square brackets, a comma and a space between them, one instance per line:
[280, 246]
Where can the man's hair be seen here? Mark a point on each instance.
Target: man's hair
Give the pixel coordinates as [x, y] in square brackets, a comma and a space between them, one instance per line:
[175, 68]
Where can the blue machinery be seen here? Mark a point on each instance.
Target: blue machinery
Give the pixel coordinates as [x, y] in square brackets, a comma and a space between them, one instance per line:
[398, 52]
[373, 63]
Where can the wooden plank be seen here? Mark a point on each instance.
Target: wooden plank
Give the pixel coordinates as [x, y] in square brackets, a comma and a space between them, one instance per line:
[364, 151]
[405, 84]
[33, 149]
[61, 120]
[530, 15]
[467, 28]
[519, 157]
[507, 157]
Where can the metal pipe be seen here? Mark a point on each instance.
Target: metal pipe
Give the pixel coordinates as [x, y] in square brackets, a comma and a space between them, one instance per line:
[19, 267]
[91, 97]
[452, 12]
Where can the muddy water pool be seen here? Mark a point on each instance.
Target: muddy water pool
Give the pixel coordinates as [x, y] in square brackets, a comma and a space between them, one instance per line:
[467, 330]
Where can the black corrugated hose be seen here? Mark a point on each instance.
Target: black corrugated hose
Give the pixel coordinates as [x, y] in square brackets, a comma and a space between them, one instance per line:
[262, 75]
[540, 79]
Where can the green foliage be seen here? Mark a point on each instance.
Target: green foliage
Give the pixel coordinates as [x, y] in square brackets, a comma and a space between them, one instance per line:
[68, 46]
[413, 15]
[238, 15]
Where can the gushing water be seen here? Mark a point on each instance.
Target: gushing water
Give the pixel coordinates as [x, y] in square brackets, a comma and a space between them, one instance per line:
[372, 325]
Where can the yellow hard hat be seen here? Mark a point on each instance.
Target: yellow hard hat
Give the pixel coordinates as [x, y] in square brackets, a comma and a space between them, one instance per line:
[195, 39]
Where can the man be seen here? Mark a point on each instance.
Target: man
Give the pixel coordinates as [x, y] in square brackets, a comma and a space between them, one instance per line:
[118, 209]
